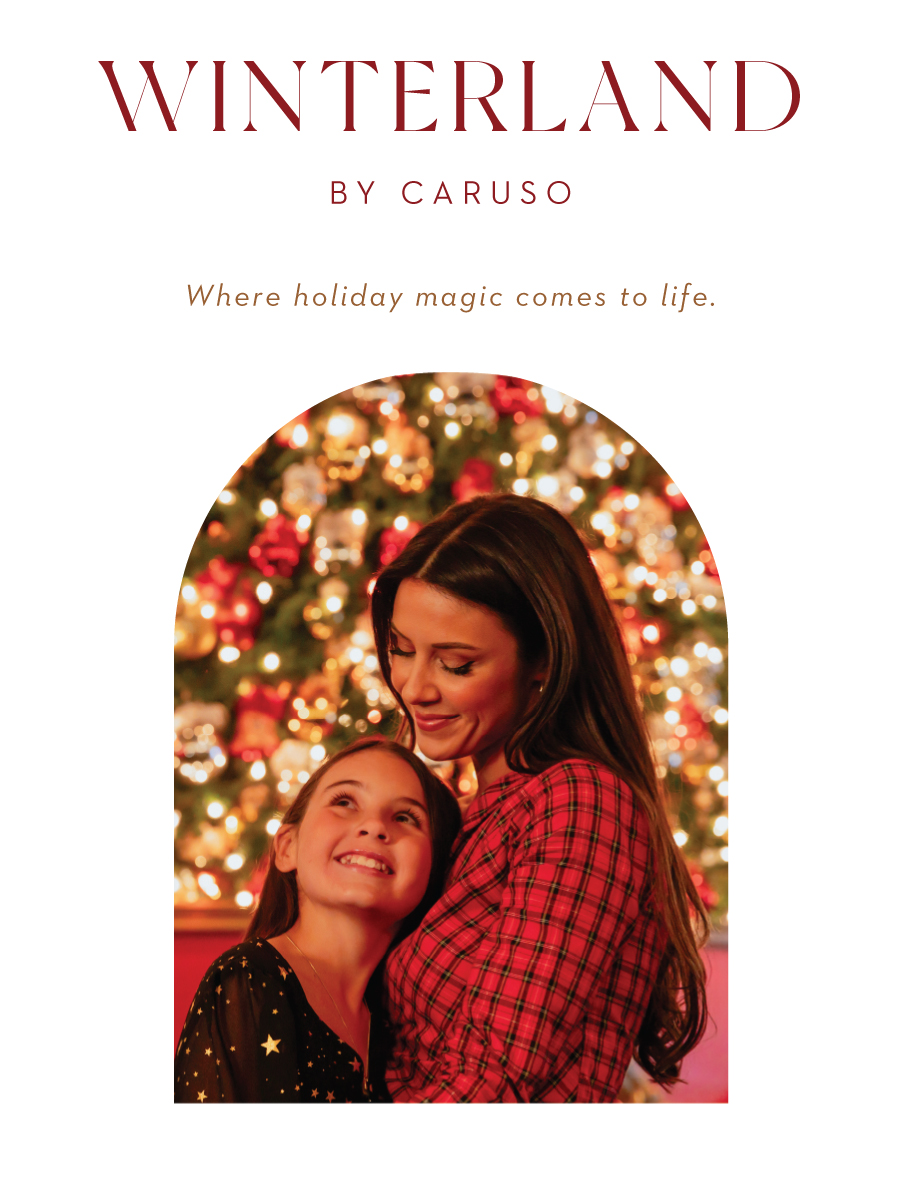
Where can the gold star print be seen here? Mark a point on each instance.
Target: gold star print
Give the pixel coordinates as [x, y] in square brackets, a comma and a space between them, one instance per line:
[218, 989]
[244, 963]
[296, 1087]
[218, 1062]
[201, 1096]
[195, 1073]
[187, 1051]
[208, 1052]
[282, 971]
[270, 1045]
[315, 1093]
[356, 1066]
[274, 1011]
[199, 1010]
[232, 1048]
[330, 1096]
[309, 1064]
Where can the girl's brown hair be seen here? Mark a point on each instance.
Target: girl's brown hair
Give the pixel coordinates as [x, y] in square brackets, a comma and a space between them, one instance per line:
[522, 559]
[279, 905]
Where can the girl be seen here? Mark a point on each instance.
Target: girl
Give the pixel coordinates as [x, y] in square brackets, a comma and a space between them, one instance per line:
[285, 1016]
[563, 943]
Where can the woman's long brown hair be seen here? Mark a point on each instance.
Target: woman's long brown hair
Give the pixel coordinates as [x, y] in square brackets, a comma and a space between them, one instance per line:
[279, 905]
[523, 560]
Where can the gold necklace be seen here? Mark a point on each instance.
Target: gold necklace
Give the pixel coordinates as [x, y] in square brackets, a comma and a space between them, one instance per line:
[367, 1089]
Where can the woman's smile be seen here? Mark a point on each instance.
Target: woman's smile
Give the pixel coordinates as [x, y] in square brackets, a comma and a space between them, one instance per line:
[370, 862]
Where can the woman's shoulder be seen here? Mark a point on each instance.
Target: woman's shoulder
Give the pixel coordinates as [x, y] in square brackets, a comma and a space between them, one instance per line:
[566, 780]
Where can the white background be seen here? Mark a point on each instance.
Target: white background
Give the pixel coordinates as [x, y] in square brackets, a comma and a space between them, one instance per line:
[128, 410]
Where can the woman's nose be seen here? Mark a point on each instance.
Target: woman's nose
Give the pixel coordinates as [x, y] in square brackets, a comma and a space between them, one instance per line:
[420, 686]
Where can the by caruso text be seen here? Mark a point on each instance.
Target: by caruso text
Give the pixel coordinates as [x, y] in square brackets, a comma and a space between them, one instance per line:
[414, 191]
[466, 91]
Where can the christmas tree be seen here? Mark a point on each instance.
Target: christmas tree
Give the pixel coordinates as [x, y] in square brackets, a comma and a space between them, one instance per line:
[275, 661]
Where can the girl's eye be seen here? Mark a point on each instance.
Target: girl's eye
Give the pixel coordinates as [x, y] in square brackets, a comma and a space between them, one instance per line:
[460, 670]
[409, 817]
[340, 801]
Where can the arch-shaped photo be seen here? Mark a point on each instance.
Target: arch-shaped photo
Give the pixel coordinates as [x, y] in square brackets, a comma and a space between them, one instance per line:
[450, 761]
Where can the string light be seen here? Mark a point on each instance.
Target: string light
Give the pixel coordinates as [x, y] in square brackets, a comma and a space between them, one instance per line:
[215, 809]
[272, 826]
[506, 459]
[264, 592]
[268, 507]
[229, 653]
[258, 770]
[244, 899]
[271, 661]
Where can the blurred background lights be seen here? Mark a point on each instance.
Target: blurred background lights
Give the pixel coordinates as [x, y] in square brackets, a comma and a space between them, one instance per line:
[680, 837]
[272, 826]
[208, 885]
[290, 553]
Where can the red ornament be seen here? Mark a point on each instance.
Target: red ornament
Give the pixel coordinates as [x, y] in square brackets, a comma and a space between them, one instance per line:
[394, 540]
[238, 611]
[477, 478]
[675, 498]
[256, 723]
[276, 550]
[513, 396]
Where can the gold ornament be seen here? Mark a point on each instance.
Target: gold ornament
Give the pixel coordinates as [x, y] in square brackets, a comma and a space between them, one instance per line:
[195, 633]
[199, 752]
[304, 489]
[345, 432]
[337, 537]
[409, 464]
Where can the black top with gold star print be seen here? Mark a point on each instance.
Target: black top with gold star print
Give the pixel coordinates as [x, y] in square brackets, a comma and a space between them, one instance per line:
[251, 1036]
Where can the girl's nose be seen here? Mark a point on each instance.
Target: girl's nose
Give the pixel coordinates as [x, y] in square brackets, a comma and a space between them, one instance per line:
[374, 826]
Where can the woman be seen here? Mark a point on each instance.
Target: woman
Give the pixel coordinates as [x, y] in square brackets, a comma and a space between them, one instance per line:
[563, 943]
[285, 1016]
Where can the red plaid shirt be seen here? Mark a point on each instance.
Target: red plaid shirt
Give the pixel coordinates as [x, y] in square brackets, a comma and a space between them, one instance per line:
[528, 980]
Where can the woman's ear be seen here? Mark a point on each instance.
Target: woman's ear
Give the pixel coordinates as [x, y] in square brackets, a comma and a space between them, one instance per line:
[286, 848]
